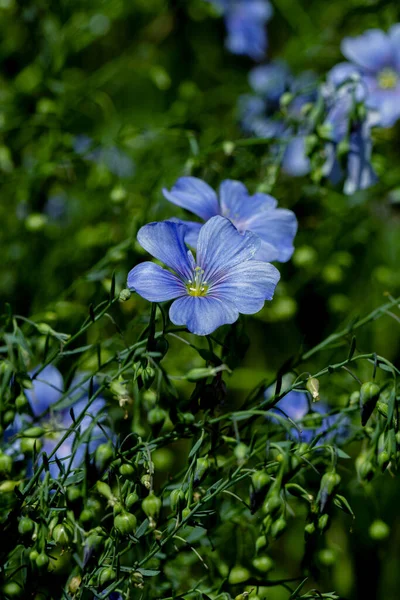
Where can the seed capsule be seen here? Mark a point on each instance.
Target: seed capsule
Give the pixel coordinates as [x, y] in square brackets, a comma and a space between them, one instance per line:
[151, 506]
[202, 466]
[177, 500]
[26, 526]
[131, 499]
[369, 396]
[125, 523]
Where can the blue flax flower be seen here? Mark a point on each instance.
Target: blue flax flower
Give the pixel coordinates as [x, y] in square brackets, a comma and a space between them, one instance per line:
[345, 122]
[245, 22]
[296, 406]
[260, 113]
[276, 227]
[212, 290]
[375, 55]
[47, 390]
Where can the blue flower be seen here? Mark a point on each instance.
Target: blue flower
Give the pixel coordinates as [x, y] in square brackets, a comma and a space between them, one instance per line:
[212, 290]
[116, 161]
[260, 114]
[375, 55]
[47, 390]
[296, 406]
[276, 227]
[245, 22]
[346, 123]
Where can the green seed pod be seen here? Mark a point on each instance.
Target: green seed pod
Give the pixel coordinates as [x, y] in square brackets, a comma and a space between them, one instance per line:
[364, 467]
[21, 403]
[26, 526]
[8, 417]
[86, 516]
[104, 490]
[127, 470]
[383, 460]
[131, 499]
[278, 527]
[200, 373]
[118, 508]
[125, 523]
[329, 483]
[33, 554]
[5, 463]
[267, 522]
[327, 557]
[62, 533]
[151, 506]
[177, 500]
[263, 564]
[157, 416]
[309, 529]
[260, 480]
[28, 445]
[73, 494]
[33, 432]
[238, 574]
[354, 399]
[148, 376]
[12, 590]
[103, 456]
[187, 418]
[241, 451]
[369, 396]
[379, 530]
[202, 467]
[261, 543]
[323, 522]
[186, 512]
[272, 504]
[383, 408]
[42, 561]
[107, 574]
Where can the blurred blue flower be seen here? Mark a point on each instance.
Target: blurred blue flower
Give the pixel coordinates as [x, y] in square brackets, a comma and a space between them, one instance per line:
[345, 124]
[47, 390]
[116, 161]
[276, 227]
[296, 406]
[375, 55]
[245, 22]
[260, 114]
[212, 290]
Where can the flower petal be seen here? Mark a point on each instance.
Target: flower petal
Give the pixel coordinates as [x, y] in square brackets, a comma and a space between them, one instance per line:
[220, 246]
[237, 204]
[195, 195]
[166, 241]
[277, 227]
[295, 161]
[154, 283]
[372, 50]
[394, 35]
[201, 314]
[247, 286]
[47, 389]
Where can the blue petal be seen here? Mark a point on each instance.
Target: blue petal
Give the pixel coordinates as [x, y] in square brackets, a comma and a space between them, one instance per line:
[192, 231]
[270, 80]
[360, 174]
[295, 161]
[277, 228]
[220, 246]
[238, 206]
[201, 314]
[245, 23]
[166, 241]
[394, 35]
[195, 195]
[47, 389]
[372, 50]
[154, 283]
[247, 285]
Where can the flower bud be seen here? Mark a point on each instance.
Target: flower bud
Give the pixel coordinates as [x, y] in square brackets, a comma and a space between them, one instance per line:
[157, 416]
[127, 470]
[272, 504]
[278, 527]
[29, 444]
[329, 483]
[312, 386]
[309, 529]
[354, 399]
[261, 543]
[369, 396]
[103, 456]
[151, 506]
[260, 480]
[124, 295]
[26, 526]
[107, 574]
[131, 499]
[21, 402]
[73, 494]
[177, 500]
[327, 557]
[186, 512]
[118, 508]
[104, 490]
[62, 533]
[323, 522]
[238, 574]
[125, 523]
[42, 561]
[202, 467]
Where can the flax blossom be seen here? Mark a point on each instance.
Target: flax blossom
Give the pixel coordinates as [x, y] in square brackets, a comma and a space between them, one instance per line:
[212, 289]
[276, 227]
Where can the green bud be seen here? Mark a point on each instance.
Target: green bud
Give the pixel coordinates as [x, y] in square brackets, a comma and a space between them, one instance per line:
[127, 470]
[383, 460]
[382, 408]
[177, 500]
[104, 490]
[8, 417]
[312, 386]
[42, 561]
[26, 526]
[278, 527]
[286, 99]
[323, 522]
[148, 376]
[33, 432]
[260, 480]
[118, 508]
[238, 574]
[21, 402]
[263, 564]
[186, 512]
[33, 554]
[107, 574]
[151, 506]
[354, 399]
[369, 396]
[241, 451]
[12, 590]
[156, 416]
[379, 530]
[327, 557]
[103, 456]
[187, 418]
[28, 445]
[309, 529]
[131, 499]
[62, 533]
[364, 467]
[272, 504]
[261, 543]
[5, 463]
[125, 523]
[73, 494]
[202, 467]
[329, 483]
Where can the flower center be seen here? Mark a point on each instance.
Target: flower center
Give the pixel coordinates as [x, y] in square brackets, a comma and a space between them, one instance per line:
[387, 79]
[197, 286]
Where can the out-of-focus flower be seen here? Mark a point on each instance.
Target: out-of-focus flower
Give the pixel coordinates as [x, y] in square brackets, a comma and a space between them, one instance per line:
[245, 22]
[296, 406]
[212, 290]
[276, 227]
[47, 389]
[116, 161]
[375, 55]
[260, 113]
[346, 123]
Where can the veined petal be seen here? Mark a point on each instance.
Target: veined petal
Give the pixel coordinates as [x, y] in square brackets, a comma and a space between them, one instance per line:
[154, 283]
[166, 241]
[277, 227]
[247, 285]
[201, 314]
[195, 195]
[192, 231]
[47, 389]
[237, 204]
[372, 50]
[220, 246]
